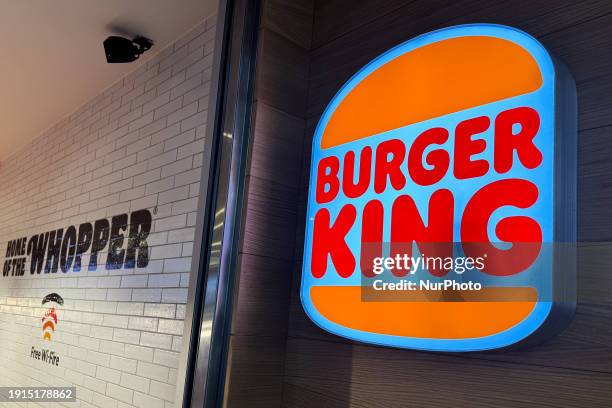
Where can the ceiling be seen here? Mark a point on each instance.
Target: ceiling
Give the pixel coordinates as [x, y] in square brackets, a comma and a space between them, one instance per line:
[52, 59]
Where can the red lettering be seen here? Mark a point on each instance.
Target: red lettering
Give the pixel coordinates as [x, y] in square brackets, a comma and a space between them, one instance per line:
[371, 236]
[506, 142]
[465, 148]
[330, 240]
[524, 233]
[389, 168]
[352, 190]
[327, 176]
[438, 159]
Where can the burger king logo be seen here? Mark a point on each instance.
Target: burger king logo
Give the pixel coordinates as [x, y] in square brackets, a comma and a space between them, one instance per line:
[441, 209]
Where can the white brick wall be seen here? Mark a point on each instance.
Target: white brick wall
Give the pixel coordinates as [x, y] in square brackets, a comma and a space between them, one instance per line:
[137, 145]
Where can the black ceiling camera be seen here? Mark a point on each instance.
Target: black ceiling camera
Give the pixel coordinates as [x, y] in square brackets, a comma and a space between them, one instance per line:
[120, 49]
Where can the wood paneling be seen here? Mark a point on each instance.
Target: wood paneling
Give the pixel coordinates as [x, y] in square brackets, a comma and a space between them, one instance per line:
[260, 318]
[584, 45]
[255, 369]
[289, 18]
[277, 146]
[327, 26]
[335, 18]
[571, 370]
[595, 196]
[263, 305]
[352, 375]
[317, 369]
[270, 220]
[282, 73]
[585, 48]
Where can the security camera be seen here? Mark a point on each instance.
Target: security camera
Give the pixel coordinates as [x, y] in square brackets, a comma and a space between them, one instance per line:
[120, 49]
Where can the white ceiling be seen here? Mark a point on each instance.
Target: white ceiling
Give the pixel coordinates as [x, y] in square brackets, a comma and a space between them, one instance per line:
[52, 59]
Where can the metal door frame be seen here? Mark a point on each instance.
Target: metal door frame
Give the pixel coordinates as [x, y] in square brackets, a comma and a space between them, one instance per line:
[218, 227]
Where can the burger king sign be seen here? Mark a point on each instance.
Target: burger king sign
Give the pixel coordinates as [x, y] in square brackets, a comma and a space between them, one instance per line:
[441, 208]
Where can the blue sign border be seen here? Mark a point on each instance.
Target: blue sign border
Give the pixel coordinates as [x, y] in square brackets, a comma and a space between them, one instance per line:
[542, 309]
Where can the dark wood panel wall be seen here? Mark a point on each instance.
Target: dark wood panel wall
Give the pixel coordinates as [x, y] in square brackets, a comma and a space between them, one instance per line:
[267, 257]
[309, 51]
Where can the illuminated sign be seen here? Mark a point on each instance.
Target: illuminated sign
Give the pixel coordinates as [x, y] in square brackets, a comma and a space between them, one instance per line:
[441, 209]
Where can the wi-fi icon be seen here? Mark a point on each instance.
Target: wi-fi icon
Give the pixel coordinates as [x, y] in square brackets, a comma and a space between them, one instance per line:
[49, 319]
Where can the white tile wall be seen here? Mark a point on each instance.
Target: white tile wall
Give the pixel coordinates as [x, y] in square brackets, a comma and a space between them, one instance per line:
[137, 145]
